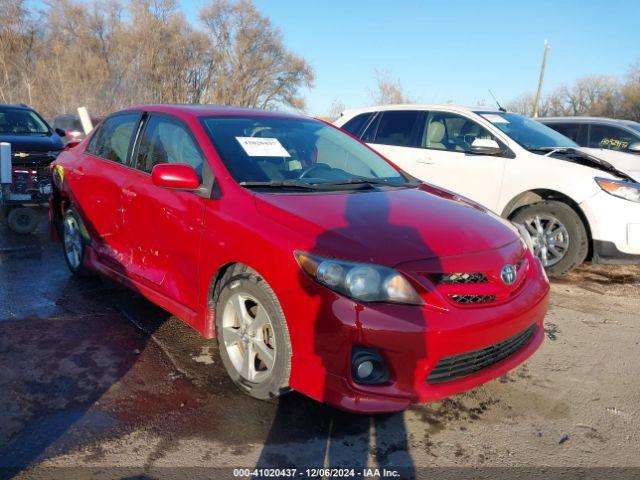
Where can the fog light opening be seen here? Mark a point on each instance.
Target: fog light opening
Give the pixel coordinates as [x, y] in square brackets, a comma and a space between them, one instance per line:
[368, 367]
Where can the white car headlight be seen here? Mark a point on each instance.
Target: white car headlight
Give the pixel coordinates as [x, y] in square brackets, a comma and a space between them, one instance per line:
[618, 188]
[362, 281]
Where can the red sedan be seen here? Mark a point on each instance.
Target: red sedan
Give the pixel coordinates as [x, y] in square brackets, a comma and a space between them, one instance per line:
[317, 264]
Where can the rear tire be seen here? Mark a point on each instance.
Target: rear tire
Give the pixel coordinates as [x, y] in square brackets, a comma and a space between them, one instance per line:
[74, 241]
[555, 228]
[252, 334]
[23, 220]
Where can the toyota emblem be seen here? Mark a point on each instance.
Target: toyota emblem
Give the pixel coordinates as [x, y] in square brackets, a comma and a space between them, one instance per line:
[508, 274]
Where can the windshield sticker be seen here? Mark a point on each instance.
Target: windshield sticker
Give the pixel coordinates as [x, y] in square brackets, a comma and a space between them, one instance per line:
[613, 143]
[262, 147]
[495, 118]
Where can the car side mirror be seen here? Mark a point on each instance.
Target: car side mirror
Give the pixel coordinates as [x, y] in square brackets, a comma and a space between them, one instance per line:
[175, 176]
[60, 132]
[71, 144]
[634, 147]
[485, 146]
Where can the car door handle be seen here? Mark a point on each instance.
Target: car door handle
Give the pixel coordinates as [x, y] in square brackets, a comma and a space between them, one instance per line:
[425, 160]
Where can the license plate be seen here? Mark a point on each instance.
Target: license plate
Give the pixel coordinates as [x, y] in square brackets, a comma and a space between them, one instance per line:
[19, 197]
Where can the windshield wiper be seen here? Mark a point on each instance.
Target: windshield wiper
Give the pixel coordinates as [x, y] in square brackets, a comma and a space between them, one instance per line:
[351, 184]
[576, 154]
[370, 181]
[279, 184]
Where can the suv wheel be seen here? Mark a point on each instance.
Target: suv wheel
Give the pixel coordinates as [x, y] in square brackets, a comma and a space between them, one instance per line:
[23, 220]
[252, 334]
[559, 237]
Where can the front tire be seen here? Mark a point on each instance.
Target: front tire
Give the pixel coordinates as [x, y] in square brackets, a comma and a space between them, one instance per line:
[74, 239]
[559, 236]
[252, 334]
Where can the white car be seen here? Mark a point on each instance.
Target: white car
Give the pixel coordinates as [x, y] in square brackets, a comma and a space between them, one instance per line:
[575, 204]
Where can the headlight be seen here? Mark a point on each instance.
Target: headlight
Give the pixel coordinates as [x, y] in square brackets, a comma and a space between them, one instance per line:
[618, 188]
[361, 281]
[525, 236]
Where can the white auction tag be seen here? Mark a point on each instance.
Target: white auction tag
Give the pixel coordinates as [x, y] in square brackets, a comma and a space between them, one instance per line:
[495, 118]
[262, 147]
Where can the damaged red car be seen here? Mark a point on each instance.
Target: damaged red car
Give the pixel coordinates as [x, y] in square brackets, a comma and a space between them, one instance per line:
[317, 264]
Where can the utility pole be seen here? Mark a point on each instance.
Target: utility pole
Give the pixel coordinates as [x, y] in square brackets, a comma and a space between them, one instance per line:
[541, 79]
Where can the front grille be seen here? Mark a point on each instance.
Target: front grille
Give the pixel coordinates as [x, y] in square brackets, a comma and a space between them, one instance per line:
[33, 180]
[456, 366]
[459, 278]
[29, 156]
[472, 299]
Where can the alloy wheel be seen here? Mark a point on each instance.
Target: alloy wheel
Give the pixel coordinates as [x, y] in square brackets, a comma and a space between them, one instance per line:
[247, 335]
[550, 238]
[72, 242]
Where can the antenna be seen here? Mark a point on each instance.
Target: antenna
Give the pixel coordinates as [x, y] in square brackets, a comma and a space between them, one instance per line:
[500, 107]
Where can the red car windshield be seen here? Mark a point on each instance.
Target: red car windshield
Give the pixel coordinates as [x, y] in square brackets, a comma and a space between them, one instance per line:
[294, 151]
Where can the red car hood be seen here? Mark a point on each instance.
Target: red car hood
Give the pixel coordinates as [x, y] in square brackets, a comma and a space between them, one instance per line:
[387, 227]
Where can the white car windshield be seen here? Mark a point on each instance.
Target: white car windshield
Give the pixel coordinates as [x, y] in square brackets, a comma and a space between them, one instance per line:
[528, 133]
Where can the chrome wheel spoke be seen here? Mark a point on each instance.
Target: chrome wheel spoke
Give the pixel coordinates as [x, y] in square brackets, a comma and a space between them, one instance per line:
[264, 353]
[530, 228]
[240, 306]
[544, 257]
[555, 252]
[550, 238]
[247, 369]
[261, 319]
[231, 335]
[551, 226]
[538, 224]
[247, 337]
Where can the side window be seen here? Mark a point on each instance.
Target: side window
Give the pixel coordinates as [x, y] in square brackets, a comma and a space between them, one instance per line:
[452, 132]
[166, 141]
[113, 138]
[357, 123]
[575, 131]
[397, 128]
[604, 136]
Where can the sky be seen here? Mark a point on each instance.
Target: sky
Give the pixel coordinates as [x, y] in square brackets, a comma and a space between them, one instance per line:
[451, 51]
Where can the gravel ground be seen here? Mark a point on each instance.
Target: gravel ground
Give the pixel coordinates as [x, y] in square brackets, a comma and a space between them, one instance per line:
[98, 383]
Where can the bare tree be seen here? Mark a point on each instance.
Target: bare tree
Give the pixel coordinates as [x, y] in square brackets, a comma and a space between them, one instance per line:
[107, 54]
[631, 94]
[248, 64]
[522, 104]
[387, 90]
[336, 108]
[595, 95]
[18, 43]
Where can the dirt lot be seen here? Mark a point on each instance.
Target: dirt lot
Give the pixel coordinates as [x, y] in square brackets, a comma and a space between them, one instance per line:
[93, 376]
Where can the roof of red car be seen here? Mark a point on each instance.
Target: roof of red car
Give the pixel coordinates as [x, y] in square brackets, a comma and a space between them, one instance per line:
[200, 110]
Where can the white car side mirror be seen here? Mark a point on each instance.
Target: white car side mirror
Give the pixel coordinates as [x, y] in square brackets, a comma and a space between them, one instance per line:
[485, 146]
[634, 147]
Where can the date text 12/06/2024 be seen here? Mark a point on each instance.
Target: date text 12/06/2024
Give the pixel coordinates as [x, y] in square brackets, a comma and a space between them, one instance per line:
[315, 473]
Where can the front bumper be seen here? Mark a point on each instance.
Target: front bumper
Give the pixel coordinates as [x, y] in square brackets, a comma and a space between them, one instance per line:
[412, 340]
[615, 228]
